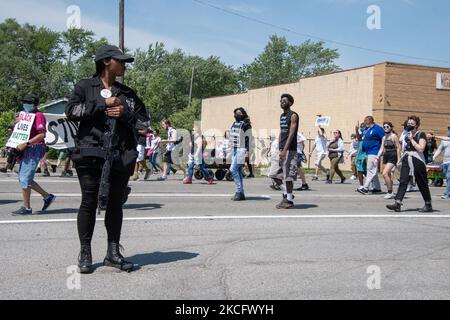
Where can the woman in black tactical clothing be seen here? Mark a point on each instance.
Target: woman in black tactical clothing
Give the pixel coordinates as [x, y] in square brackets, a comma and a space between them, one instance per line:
[96, 104]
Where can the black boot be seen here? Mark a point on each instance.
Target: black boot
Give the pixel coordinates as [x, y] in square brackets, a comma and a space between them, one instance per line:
[239, 196]
[426, 208]
[397, 206]
[85, 259]
[115, 259]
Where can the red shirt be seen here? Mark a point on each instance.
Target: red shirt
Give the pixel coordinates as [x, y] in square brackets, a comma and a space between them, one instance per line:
[39, 124]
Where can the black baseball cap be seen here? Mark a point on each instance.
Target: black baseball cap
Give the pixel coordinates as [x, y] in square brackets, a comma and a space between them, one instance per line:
[114, 52]
[31, 98]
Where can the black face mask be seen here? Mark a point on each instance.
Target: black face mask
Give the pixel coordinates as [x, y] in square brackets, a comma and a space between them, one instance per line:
[410, 128]
[239, 118]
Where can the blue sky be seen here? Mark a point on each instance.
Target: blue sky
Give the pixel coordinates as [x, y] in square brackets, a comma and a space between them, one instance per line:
[417, 28]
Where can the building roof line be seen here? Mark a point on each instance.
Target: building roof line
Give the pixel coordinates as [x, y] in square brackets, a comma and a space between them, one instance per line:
[390, 63]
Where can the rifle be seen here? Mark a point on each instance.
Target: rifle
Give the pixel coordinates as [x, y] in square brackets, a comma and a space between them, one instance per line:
[110, 142]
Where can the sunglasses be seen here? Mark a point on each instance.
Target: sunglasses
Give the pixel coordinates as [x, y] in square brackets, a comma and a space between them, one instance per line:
[387, 127]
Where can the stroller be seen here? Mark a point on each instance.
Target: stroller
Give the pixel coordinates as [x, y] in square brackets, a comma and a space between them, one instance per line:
[435, 174]
[217, 162]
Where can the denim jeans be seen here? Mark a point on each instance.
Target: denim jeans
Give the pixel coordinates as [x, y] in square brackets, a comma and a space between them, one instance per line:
[447, 177]
[153, 162]
[237, 167]
[191, 165]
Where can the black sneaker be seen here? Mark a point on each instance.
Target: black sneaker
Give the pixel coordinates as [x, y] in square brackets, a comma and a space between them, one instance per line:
[427, 208]
[3, 170]
[376, 191]
[48, 201]
[46, 173]
[397, 207]
[275, 187]
[22, 212]
[239, 196]
[54, 167]
[304, 187]
[343, 180]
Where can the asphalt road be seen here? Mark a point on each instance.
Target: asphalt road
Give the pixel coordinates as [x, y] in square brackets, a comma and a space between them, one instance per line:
[192, 242]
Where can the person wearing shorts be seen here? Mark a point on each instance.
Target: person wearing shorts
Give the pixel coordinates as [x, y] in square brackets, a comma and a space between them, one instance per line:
[32, 152]
[140, 160]
[286, 174]
[390, 150]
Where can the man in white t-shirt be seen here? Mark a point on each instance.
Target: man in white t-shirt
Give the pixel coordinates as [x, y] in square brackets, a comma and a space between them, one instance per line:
[301, 157]
[320, 146]
[170, 147]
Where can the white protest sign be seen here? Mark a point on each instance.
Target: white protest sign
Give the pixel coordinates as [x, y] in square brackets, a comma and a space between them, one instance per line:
[323, 121]
[61, 132]
[22, 130]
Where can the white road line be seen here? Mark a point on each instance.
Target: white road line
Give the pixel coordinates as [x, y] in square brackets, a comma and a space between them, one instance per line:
[299, 195]
[61, 180]
[332, 216]
[153, 195]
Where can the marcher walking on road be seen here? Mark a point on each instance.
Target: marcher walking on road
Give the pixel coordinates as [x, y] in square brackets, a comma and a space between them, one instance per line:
[286, 173]
[444, 147]
[413, 164]
[390, 151]
[371, 144]
[32, 152]
[240, 134]
[336, 150]
[320, 146]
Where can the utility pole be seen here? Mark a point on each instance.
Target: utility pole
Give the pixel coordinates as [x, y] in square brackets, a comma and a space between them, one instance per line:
[192, 83]
[121, 30]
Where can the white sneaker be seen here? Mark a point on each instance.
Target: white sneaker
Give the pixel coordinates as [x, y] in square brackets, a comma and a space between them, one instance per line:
[445, 197]
[353, 178]
[389, 196]
[411, 188]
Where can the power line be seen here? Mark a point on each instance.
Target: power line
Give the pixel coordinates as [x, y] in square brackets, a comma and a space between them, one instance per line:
[204, 3]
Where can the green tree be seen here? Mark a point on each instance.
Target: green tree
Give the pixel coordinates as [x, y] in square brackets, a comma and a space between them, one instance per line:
[162, 79]
[6, 120]
[281, 62]
[28, 55]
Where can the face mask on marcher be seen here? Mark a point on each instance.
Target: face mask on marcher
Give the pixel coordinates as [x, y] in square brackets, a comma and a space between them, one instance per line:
[28, 107]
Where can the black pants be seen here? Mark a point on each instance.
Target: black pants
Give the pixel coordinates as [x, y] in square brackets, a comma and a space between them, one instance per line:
[420, 173]
[89, 182]
[249, 165]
